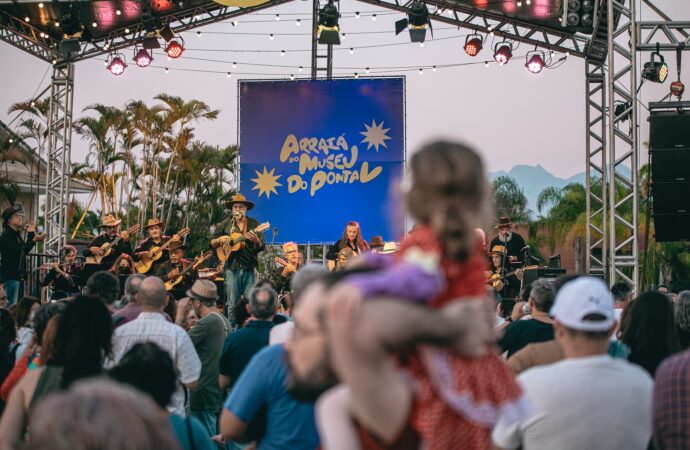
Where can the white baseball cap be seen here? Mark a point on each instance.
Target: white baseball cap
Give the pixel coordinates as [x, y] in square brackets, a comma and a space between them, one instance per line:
[580, 298]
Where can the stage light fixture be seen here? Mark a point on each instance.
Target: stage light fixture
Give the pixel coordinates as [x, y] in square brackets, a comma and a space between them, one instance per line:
[116, 64]
[142, 57]
[677, 89]
[473, 44]
[535, 61]
[503, 51]
[73, 31]
[167, 33]
[655, 71]
[328, 31]
[417, 22]
[578, 15]
[174, 48]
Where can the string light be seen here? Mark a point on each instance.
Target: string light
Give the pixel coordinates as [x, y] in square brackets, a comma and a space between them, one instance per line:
[94, 24]
[40, 5]
[352, 50]
[373, 17]
[298, 22]
[282, 53]
[301, 68]
[434, 69]
[198, 34]
[421, 71]
[229, 75]
[26, 19]
[235, 23]
[357, 15]
[234, 64]
[271, 37]
[292, 77]
[343, 36]
[118, 12]
[367, 70]
[167, 70]
[356, 75]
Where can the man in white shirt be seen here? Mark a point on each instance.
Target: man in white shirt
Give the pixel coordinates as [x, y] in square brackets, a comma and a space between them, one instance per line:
[588, 400]
[152, 326]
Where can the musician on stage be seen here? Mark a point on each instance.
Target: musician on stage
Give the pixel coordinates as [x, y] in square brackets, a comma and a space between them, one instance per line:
[173, 268]
[13, 251]
[63, 274]
[505, 282]
[509, 239]
[155, 239]
[240, 266]
[111, 228]
[287, 266]
[352, 239]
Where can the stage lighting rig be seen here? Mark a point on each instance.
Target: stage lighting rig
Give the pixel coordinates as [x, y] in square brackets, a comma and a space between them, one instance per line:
[655, 71]
[116, 64]
[73, 30]
[142, 57]
[328, 31]
[503, 51]
[535, 61]
[473, 44]
[417, 22]
[578, 15]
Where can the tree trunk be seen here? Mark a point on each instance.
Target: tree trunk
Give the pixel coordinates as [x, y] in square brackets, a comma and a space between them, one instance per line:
[165, 187]
[577, 246]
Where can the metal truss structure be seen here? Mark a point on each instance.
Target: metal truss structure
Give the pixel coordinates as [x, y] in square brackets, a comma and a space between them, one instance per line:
[59, 148]
[612, 146]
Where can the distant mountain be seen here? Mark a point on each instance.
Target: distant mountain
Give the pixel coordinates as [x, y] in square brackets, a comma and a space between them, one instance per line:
[534, 179]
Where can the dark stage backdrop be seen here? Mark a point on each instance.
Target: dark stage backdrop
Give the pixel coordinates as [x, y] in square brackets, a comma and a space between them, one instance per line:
[317, 154]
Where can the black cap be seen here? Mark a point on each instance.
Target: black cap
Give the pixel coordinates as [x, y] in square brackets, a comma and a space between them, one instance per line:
[9, 212]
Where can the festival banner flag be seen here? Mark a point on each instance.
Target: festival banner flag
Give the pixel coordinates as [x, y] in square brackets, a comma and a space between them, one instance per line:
[316, 154]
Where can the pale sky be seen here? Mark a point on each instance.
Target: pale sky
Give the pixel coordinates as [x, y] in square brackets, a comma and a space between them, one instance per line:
[510, 115]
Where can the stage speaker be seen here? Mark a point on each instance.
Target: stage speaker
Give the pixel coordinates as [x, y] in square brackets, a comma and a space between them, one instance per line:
[670, 151]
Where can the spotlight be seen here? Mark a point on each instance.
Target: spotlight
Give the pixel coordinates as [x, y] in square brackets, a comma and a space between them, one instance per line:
[473, 44]
[73, 31]
[535, 61]
[328, 31]
[503, 51]
[677, 89]
[142, 58]
[174, 48]
[116, 64]
[655, 71]
[150, 41]
[417, 22]
[578, 15]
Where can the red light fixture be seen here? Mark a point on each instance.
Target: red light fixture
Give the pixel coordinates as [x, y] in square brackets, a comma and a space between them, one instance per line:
[503, 51]
[473, 44]
[535, 61]
[142, 58]
[116, 64]
[174, 48]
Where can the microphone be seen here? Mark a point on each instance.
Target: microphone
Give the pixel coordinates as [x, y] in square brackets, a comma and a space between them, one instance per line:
[275, 232]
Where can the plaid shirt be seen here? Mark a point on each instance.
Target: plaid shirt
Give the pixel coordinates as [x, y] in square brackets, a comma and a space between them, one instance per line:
[671, 405]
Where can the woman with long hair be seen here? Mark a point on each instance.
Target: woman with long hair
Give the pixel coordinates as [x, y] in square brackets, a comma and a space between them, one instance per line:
[81, 344]
[682, 316]
[124, 265]
[650, 332]
[63, 274]
[25, 315]
[352, 239]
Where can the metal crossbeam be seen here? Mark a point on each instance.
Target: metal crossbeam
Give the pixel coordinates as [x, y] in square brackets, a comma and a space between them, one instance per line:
[595, 174]
[513, 29]
[59, 156]
[28, 38]
[321, 55]
[667, 35]
[622, 143]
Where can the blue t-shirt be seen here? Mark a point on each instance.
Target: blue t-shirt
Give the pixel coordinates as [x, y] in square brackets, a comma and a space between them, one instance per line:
[201, 439]
[290, 424]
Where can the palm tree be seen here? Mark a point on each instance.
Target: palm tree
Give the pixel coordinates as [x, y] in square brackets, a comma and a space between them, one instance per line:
[510, 200]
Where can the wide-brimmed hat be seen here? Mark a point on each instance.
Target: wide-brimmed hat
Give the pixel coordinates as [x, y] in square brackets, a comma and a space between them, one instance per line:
[154, 223]
[376, 242]
[239, 198]
[174, 245]
[109, 221]
[498, 250]
[204, 290]
[504, 221]
[389, 247]
[9, 212]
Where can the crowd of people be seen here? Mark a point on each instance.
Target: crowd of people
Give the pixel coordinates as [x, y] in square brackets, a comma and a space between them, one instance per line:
[409, 349]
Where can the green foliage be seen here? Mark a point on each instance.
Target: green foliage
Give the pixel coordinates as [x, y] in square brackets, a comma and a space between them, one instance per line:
[510, 200]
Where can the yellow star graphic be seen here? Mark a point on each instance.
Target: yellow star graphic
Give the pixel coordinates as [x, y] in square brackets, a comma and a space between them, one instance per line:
[375, 135]
[266, 182]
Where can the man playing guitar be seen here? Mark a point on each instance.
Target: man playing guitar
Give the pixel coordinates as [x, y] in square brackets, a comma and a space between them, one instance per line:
[110, 227]
[155, 239]
[240, 264]
[173, 267]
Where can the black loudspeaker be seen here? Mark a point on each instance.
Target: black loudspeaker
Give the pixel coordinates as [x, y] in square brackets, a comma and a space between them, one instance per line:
[669, 138]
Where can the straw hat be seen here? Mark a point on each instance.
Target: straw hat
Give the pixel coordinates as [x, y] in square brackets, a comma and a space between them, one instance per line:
[239, 198]
[204, 290]
[154, 223]
[109, 221]
[498, 250]
[389, 248]
[174, 245]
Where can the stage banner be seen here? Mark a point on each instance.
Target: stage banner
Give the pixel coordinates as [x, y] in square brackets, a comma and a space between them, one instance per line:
[316, 154]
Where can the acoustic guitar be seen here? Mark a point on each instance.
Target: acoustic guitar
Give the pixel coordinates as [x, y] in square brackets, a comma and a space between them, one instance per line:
[171, 283]
[144, 264]
[107, 248]
[236, 241]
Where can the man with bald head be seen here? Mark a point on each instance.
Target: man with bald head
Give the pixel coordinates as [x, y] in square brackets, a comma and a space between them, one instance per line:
[152, 326]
